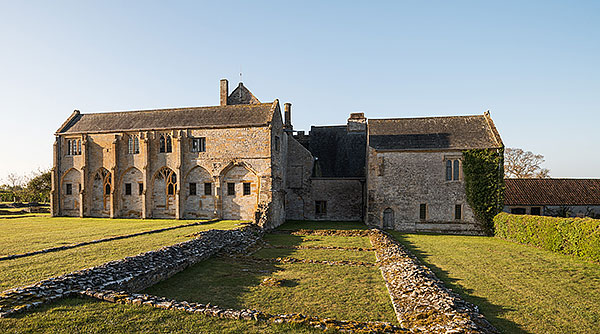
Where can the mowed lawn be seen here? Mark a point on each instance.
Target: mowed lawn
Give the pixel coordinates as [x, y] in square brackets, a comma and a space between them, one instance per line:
[28, 270]
[26, 234]
[519, 288]
[339, 292]
[91, 316]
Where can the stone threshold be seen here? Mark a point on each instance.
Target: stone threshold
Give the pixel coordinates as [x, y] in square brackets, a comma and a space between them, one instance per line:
[118, 237]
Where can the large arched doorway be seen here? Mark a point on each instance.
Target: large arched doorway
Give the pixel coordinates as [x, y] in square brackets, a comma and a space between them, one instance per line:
[101, 188]
[239, 191]
[388, 219]
[198, 191]
[131, 193]
[164, 187]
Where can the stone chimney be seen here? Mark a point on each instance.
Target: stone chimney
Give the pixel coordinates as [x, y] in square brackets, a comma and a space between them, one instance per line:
[287, 114]
[357, 122]
[224, 91]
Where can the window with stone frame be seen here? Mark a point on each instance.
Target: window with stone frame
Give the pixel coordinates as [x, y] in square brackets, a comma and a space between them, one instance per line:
[192, 188]
[73, 146]
[165, 144]
[452, 170]
[207, 188]
[231, 189]
[133, 146]
[140, 188]
[198, 144]
[458, 211]
[423, 211]
[320, 208]
[68, 189]
[128, 189]
[246, 189]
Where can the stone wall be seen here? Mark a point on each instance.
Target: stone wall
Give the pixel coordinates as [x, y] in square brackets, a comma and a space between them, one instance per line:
[399, 182]
[343, 197]
[298, 184]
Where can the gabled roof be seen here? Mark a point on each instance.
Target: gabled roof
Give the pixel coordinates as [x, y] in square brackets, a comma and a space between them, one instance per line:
[242, 95]
[552, 192]
[453, 133]
[178, 118]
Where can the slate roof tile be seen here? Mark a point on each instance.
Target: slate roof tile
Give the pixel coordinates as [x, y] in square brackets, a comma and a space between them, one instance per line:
[552, 192]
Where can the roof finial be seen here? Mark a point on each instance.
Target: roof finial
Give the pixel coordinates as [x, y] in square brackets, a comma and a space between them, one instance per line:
[240, 73]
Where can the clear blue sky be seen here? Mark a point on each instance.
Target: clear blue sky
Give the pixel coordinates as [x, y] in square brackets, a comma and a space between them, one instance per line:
[534, 64]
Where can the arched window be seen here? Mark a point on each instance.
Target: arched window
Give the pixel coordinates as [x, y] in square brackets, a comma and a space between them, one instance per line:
[162, 145]
[448, 170]
[456, 170]
[169, 147]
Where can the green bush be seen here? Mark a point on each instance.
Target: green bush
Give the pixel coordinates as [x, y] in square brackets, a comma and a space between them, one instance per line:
[574, 236]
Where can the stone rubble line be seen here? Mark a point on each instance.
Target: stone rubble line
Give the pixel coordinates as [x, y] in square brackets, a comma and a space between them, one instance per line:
[85, 243]
[421, 301]
[356, 249]
[285, 260]
[244, 314]
[340, 233]
[131, 273]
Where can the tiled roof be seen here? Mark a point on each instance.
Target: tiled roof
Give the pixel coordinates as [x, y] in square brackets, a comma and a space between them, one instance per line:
[457, 132]
[178, 118]
[552, 192]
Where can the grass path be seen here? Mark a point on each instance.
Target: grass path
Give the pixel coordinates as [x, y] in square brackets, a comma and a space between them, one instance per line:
[519, 288]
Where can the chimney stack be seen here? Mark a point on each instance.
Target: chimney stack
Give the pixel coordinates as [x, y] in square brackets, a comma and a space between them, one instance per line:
[357, 122]
[287, 114]
[224, 91]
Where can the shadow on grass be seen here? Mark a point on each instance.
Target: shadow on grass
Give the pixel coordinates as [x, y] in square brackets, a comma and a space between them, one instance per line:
[491, 311]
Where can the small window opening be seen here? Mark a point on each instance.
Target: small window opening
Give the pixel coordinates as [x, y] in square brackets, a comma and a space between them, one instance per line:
[140, 188]
[198, 144]
[423, 211]
[169, 146]
[458, 211]
[231, 189]
[162, 145]
[246, 188]
[192, 189]
[277, 144]
[207, 188]
[536, 211]
[320, 208]
[128, 189]
[69, 190]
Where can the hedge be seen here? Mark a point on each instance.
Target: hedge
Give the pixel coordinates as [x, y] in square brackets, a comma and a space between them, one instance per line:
[573, 236]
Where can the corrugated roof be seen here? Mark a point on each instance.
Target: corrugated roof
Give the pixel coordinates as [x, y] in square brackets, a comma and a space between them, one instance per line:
[457, 132]
[552, 192]
[178, 118]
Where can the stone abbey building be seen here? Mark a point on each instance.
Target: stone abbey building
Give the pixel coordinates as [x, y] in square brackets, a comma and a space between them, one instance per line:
[243, 160]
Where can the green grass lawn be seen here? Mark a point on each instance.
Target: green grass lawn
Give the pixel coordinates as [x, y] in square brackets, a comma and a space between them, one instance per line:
[321, 225]
[31, 269]
[26, 234]
[519, 288]
[340, 292]
[90, 316]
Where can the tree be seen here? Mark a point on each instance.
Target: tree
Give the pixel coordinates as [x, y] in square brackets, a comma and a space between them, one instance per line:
[524, 164]
[14, 181]
[39, 187]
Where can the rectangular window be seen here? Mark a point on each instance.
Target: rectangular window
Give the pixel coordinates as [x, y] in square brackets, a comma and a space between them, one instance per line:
[198, 144]
[458, 211]
[423, 211]
[207, 188]
[456, 170]
[246, 188]
[128, 189]
[192, 189]
[277, 143]
[69, 190]
[69, 147]
[448, 170]
[231, 189]
[518, 211]
[320, 208]
[140, 188]
[537, 211]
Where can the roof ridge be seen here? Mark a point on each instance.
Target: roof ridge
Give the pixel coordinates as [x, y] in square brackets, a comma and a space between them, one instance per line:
[428, 117]
[178, 109]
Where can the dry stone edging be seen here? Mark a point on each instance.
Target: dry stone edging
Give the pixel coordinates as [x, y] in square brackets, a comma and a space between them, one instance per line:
[85, 243]
[124, 297]
[421, 300]
[133, 273]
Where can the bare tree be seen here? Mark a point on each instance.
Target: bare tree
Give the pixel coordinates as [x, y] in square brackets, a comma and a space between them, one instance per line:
[524, 164]
[14, 180]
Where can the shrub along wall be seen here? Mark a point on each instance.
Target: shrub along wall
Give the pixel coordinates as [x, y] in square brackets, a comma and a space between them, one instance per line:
[574, 236]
